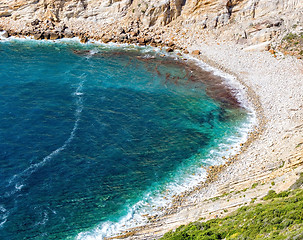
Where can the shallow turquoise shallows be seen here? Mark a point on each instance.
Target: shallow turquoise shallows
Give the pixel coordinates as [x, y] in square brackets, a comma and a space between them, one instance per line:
[89, 131]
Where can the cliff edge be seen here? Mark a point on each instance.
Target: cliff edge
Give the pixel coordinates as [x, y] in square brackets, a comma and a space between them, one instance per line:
[247, 22]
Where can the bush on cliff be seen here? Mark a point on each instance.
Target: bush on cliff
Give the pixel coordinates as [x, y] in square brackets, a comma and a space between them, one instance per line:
[280, 217]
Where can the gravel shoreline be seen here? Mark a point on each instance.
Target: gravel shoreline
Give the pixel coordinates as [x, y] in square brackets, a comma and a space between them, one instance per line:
[272, 155]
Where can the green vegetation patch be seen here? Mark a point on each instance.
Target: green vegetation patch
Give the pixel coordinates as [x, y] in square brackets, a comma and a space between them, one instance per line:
[298, 183]
[292, 44]
[272, 194]
[281, 217]
[290, 36]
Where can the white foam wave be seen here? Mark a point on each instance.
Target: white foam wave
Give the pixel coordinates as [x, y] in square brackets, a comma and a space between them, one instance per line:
[93, 52]
[110, 228]
[151, 204]
[154, 201]
[3, 222]
[2, 208]
[238, 89]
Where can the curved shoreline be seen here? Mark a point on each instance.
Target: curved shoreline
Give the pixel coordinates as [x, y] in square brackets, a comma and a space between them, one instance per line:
[212, 171]
[255, 170]
[260, 172]
[272, 169]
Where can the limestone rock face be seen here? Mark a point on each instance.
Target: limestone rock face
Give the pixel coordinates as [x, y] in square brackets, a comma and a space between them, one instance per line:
[252, 21]
[151, 12]
[63, 10]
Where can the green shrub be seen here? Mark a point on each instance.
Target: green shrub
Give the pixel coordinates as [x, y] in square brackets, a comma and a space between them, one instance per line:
[280, 218]
[290, 36]
[270, 195]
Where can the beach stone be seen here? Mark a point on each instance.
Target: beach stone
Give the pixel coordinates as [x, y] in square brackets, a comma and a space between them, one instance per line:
[68, 34]
[258, 47]
[169, 49]
[133, 33]
[186, 52]
[121, 30]
[7, 13]
[35, 22]
[38, 36]
[4, 34]
[53, 36]
[122, 37]
[105, 39]
[46, 35]
[195, 52]
[83, 39]
[141, 41]
[170, 44]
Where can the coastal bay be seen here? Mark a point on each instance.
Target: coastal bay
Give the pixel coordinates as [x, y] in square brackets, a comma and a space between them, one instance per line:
[244, 41]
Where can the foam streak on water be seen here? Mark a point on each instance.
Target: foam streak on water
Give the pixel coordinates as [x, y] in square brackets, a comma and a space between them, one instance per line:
[18, 179]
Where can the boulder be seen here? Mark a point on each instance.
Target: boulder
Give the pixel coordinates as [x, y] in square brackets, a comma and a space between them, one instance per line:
[46, 35]
[83, 39]
[142, 41]
[263, 35]
[38, 36]
[195, 52]
[170, 44]
[105, 39]
[6, 13]
[169, 49]
[121, 30]
[133, 33]
[68, 34]
[4, 34]
[35, 22]
[122, 37]
[258, 47]
[61, 28]
[54, 36]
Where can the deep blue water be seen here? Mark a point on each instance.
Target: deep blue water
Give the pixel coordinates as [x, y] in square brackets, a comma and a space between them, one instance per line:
[86, 132]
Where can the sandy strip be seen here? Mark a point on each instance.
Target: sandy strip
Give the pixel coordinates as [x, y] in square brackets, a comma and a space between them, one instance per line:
[273, 160]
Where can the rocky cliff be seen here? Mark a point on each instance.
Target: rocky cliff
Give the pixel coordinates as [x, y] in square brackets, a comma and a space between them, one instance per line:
[246, 21]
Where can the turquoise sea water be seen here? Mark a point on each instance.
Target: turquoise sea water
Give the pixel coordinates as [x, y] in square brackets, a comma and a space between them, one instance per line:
[91, 135]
